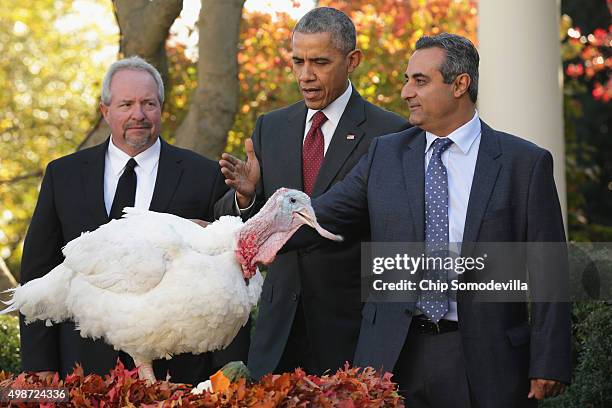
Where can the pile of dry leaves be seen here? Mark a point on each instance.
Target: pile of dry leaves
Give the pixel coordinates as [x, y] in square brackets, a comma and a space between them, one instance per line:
[348, 388]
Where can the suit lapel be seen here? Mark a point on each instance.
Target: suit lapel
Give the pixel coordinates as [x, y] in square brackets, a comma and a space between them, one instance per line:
[414, 178]
[340, 146]
[291, 154]
[169, 171]
[93, 182]
[485, 176]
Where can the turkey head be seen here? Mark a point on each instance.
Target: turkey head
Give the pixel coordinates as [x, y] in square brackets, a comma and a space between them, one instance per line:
[264, 235]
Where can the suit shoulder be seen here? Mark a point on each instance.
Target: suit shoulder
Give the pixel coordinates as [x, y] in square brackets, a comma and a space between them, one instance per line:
[68, 161]
[399, 138]
[512, 144]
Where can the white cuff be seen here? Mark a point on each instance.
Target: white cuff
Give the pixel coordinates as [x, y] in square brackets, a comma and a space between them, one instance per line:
[241, 210]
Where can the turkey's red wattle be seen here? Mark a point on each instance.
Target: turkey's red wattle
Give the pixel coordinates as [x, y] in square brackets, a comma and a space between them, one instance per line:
[246, 249]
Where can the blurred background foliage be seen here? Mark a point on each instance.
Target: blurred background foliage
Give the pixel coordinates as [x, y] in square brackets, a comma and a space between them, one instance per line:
[586, 51]
[52, 69]
[54, 59]
[50, 75]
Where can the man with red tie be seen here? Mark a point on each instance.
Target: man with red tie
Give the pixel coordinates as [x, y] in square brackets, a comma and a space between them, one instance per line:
[310, 293]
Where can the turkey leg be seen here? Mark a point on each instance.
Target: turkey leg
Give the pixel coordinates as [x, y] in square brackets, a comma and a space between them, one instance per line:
[145, 370]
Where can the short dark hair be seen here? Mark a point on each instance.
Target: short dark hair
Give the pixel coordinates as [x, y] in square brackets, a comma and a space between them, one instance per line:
[332, 21]
[461, 58]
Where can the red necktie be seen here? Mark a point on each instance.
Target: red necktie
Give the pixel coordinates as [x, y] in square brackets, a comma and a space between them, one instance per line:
[312, 152]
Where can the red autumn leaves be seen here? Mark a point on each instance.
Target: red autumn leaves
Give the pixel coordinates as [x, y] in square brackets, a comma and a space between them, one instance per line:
[348, 388]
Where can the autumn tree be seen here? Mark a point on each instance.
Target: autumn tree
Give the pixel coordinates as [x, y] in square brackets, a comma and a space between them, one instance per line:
[51, 88]
[144, 26]
[49, 76]
[587, 62]
[243, 70]
[215, 99]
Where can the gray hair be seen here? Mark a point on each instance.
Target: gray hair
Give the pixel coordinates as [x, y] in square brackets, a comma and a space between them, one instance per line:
[133, 63]
[461, 58]
[332, 21]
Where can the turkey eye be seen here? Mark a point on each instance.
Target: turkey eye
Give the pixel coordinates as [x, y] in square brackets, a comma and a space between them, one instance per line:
[292, 200]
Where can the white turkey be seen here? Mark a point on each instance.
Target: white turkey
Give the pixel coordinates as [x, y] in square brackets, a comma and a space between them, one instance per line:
[155, 285]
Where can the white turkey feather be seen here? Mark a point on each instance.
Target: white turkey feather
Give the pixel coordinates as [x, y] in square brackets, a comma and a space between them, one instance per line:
[43, 299]
[128, 275]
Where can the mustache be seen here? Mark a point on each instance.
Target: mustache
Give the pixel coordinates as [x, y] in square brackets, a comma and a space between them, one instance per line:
[143, 124]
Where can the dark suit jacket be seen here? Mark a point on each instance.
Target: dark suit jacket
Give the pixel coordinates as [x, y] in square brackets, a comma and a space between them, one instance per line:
[513, 199]
[71, 201]
[327, 277]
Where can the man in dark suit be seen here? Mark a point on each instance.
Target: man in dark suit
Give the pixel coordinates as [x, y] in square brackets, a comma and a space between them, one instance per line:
[84, 190]
[449, 179]
[310, 309]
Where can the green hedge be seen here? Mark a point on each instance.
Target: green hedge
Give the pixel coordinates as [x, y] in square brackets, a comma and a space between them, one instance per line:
[9, 344]
[592, 346]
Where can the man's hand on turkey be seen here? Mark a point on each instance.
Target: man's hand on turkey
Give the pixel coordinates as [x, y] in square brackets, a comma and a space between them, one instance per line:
[201, 223]
[242, 176]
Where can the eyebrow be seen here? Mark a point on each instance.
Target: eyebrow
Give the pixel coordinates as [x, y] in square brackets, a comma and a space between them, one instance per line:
[316, 59]
[132, 100]
[416, 75]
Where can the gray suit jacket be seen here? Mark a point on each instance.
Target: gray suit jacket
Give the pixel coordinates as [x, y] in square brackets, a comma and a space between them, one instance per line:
[513, 199]
[325, 277]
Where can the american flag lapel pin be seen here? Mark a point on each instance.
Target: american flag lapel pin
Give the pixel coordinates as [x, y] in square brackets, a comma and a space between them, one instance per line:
[350, 136]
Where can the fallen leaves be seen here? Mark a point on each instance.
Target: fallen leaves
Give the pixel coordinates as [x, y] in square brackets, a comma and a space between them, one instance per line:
[347, 388]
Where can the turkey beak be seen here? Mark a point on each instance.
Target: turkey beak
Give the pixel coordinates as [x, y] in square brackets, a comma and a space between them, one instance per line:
[308, 217]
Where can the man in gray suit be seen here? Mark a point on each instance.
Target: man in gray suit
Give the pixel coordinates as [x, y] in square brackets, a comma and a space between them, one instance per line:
[310, 309]
[449, 179]
[453, 179]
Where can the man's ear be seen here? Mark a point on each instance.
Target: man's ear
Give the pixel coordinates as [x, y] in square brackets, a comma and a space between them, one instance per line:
[104, 110]
[461, 85]
[354, 58]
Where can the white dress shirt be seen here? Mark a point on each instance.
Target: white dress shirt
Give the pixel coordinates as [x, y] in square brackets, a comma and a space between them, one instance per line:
[460, 162]
[333, 112]
[146, 173]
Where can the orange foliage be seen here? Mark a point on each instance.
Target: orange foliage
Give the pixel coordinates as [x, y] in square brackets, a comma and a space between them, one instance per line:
[348, 387]
[219, 381]
[387, 31]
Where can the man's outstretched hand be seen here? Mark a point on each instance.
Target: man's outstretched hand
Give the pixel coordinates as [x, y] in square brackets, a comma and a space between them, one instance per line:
[242, 176]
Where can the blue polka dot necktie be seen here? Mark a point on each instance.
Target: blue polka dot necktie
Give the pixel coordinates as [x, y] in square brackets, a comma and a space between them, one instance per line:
[434, 303]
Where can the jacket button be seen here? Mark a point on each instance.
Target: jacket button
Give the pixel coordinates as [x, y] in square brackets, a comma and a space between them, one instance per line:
[294, 297]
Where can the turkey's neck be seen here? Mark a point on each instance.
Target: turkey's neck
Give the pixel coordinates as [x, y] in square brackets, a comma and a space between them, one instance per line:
[259, 240]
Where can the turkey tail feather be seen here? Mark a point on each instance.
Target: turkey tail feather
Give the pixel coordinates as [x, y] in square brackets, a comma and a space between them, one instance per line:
[43, 298]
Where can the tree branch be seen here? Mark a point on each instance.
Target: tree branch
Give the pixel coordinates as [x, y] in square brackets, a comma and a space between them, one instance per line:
[7, 280]
[22, 177]
[215, 101]
[98, 133]
[143, 28]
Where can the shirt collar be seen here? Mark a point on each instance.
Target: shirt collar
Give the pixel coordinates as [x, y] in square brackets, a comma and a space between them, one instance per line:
[334, 110]
[146, 160]
[463, 136]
